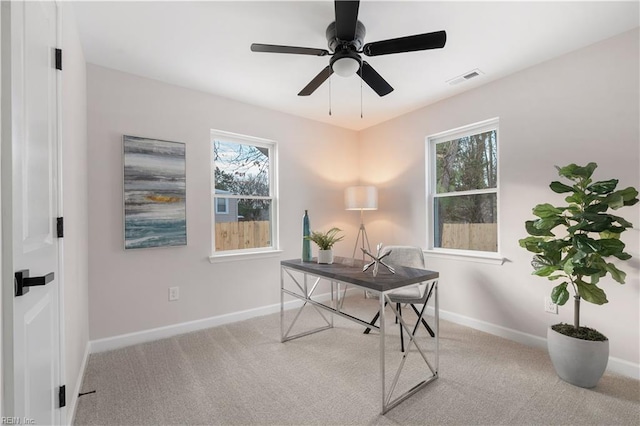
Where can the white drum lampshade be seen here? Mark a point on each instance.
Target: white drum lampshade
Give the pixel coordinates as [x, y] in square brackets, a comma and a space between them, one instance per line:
[361, 198]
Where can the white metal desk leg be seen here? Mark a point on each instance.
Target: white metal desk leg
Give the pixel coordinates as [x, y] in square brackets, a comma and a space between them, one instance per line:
[281, 305]
[437, 317]
[334, 303]
[382, 351]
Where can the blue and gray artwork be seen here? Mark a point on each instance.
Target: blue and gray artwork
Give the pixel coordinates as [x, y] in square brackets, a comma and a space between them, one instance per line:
[154, 193]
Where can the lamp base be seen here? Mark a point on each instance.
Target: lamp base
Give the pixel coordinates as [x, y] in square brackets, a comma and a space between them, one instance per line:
[362, 236]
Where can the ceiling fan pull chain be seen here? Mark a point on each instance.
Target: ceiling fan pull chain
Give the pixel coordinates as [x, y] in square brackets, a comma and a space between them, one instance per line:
[361, 98]
[329, 96]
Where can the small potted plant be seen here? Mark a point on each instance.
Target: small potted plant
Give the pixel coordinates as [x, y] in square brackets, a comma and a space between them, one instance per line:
[576, 254]
[325, 242]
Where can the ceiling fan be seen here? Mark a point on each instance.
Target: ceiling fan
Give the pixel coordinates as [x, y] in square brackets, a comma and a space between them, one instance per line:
[346, 40]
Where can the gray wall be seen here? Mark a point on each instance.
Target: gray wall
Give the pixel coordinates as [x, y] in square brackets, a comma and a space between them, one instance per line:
[129, 289]
[577, 108]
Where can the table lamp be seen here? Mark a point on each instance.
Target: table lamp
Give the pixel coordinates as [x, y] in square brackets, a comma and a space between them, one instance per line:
[361, 198]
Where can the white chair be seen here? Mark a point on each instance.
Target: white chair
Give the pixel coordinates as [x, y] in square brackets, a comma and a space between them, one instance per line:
[417, 294]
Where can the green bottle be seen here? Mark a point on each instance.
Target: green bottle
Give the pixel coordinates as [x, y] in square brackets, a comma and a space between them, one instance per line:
[306, 244]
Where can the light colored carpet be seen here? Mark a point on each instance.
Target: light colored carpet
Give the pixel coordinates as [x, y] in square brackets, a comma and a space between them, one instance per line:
[240, 374]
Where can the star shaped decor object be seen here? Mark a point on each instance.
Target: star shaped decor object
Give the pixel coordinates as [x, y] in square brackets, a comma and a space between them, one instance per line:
[377, 261]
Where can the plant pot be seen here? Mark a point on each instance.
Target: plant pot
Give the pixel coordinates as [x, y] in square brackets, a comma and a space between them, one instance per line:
[325, 256]
[576, 361]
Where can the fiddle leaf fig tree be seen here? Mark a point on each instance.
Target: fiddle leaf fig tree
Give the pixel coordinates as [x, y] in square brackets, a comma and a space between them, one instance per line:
[574, 243]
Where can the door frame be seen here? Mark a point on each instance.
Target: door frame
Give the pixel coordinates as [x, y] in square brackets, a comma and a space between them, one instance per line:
[7, 398]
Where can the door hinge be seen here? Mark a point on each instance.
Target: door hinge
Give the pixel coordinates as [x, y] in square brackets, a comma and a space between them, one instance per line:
[60, 227]
[59, 59]
[62, 396]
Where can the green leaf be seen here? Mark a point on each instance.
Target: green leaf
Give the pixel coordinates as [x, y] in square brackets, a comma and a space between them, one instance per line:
[597, 226]
[532, 230]
[591, 293]
[595, 217]
[568, 267]
[586, 271]
[616, 273]
[631, 202]
[614, 200]
[546, 211]
[545, 271]
[575, 172]
[622, 256]
[610, 246]
[543, 266]
[554, 245]
[621, 198]
[548, 223]
[629, 194]
[579, 256]
[616, 229]
[553, 249]
[608, 235]
[573, 209]
[603, 187]
[559, 187]
[621, 221]
[560, 294]
[531, 243]
[541, 262]
[575, 198]
[554, 277]
[578, 226]
[586, 244]
[597, 208]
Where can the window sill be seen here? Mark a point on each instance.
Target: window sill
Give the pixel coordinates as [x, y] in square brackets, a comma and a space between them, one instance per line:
[491, 258]
[232, 257]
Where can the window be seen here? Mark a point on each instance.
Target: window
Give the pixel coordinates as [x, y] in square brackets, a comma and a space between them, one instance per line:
[244, 189]
[462, 182]
[222, 206]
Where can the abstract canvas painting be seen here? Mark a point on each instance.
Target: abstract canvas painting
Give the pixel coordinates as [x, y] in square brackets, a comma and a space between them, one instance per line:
[154, 193]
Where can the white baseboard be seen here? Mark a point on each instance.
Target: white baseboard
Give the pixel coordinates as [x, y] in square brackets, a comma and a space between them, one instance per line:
[496, 330]
[615, 365]
[73, 401]
[123, 340]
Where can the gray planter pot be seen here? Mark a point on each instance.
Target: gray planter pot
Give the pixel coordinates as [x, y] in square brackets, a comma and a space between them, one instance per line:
[576, 361]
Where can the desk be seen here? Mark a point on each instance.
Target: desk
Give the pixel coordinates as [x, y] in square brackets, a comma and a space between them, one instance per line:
[349, 272]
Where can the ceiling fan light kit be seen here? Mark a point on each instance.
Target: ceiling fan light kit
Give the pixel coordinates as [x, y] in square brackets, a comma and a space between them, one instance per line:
[345, 37]
[345, 66]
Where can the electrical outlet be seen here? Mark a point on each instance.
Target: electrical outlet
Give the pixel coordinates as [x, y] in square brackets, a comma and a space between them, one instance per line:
[549, 306]
[174, 293]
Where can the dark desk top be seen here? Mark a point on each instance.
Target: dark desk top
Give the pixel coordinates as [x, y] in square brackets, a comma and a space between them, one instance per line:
[350, 271]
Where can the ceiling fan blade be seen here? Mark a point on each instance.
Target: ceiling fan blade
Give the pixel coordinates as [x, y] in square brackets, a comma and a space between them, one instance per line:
[316, 82]
[273, 48]
[346, 19]
[412, 43]
[374, 80]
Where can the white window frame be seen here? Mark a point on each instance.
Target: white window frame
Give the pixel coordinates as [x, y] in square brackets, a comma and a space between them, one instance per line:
[260, 252]
[430, 149]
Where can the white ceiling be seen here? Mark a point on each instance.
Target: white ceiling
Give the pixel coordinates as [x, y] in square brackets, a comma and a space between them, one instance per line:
[205, 46]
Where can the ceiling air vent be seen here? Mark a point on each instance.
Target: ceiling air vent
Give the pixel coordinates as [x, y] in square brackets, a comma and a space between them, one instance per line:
[464, 77]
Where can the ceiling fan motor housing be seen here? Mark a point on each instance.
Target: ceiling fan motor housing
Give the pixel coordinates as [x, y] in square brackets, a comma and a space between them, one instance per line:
[337, 45]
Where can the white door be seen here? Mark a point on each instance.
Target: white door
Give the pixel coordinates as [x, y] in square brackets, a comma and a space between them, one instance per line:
[32, 368]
